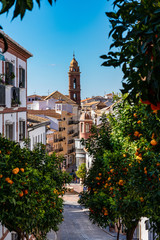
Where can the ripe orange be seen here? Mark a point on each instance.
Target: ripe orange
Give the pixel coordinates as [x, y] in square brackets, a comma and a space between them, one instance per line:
[10, 181]
[7, 179]
[1, 175]
[22, 169]
[21, 194]
[153, 142]
[136, 133]
[26, 191]
[135, 115]
[139, 121]
[141, 199]
[15, 170]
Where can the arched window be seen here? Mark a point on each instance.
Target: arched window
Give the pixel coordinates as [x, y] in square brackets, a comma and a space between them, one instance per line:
[75, 96]
[82, 130]
[74, 83]
[87, 127]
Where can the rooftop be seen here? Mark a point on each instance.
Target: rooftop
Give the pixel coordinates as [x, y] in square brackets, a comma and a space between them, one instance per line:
[59, 96]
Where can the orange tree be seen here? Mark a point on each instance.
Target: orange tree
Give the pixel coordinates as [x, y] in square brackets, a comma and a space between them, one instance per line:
[135, 31]
[31, 189]
[123, 182]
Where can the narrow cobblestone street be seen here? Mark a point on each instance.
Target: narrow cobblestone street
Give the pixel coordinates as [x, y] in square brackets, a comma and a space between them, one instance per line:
[76, 225]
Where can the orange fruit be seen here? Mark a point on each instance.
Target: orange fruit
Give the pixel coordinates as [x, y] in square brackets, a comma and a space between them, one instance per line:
[7, 179]
[15, 170]
[135, 115]
[139, 121]
[124, 155]
[10, 181]
[141, 199]
[153, 142]
[1, 175]
[136, 133]
[21, 194]
[26, 191]
[22, 169]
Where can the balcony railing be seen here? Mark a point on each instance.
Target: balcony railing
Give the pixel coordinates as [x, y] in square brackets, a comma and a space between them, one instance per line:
[70, 122]
[71, 150]
[70, 132]
[76, 122]
[61, 139]
[59, 150]
[76, 134]
[70, 141]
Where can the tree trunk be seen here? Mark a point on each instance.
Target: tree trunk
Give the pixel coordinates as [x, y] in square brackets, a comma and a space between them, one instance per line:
[119, 228]
[130, 232]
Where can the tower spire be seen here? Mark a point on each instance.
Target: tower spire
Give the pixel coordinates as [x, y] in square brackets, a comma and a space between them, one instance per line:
[73, 54]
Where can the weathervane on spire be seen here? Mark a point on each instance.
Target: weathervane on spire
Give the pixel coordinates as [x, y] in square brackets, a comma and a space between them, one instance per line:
[73, 54]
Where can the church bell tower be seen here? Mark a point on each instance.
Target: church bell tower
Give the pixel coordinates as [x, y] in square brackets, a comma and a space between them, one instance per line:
[74, 81]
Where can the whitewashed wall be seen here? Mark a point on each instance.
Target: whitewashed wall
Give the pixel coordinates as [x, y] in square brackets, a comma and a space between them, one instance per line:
[10, 118]
[37, 135]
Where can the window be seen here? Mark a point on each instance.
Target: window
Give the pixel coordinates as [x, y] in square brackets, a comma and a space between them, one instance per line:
[2, 95]
[74, 83]
[9, 71]
[82, 128]
[15, 96]
[75, 96]
[21, 78]
[21, 130]
[87, 127]
[14, 236]
[9, 131]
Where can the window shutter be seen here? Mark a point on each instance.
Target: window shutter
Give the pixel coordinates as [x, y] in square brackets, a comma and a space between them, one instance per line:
[24, 129]
[23, 78]
[10, 73]
[2, 95]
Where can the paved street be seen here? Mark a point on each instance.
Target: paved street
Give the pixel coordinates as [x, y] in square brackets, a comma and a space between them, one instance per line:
[76, 225]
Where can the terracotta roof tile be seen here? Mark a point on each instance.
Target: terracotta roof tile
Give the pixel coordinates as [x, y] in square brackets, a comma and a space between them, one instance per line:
[59, 96]
[50, 113]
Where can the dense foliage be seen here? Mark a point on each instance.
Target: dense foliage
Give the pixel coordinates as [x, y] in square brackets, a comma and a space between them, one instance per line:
[20, 6]
[81, 172]
[31, 189]
[135, 30]
[124, 180]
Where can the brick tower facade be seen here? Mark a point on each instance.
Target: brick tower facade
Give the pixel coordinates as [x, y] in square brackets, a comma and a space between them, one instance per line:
[74, 81]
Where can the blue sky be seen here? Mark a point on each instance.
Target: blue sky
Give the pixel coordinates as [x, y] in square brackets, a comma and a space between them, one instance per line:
[51, 34]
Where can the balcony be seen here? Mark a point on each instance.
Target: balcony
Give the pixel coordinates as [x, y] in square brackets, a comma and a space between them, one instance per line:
[71, 141]
[59, 150]
[76, 134]
[60, 129]
[56, 140]
[71, 150]
[70, 122]
[61, 139]
[71, 132]
[76, 122]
